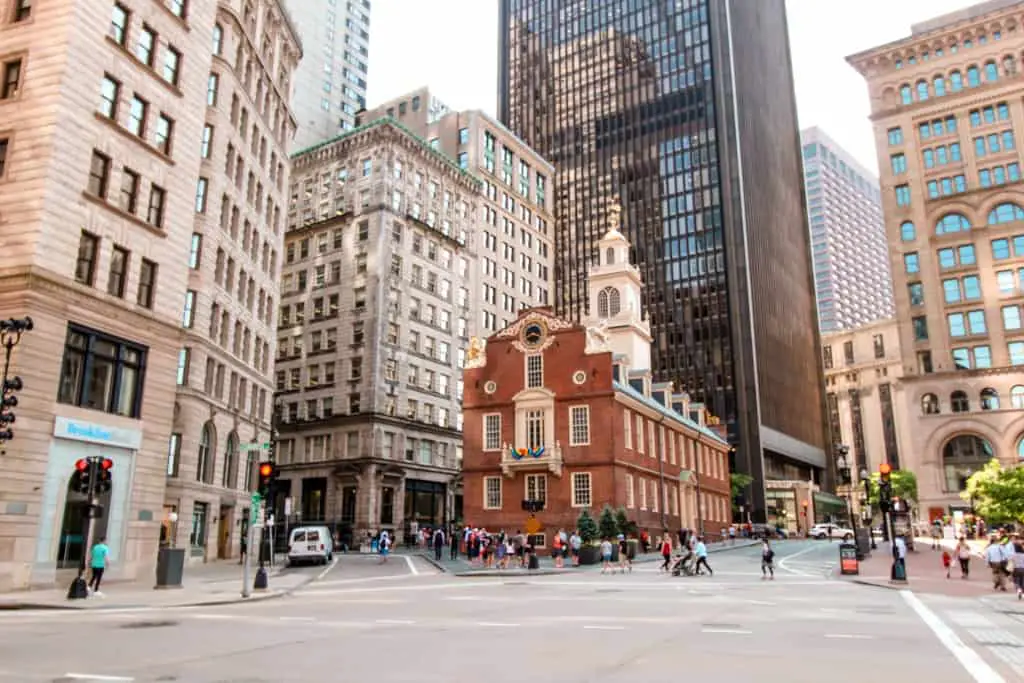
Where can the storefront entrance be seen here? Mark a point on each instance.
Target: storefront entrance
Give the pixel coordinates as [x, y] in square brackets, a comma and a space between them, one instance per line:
[425, 502]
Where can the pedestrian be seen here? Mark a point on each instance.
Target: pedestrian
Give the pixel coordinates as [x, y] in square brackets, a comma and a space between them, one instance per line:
[702, 557]
[575, 542]
[384, 546]
[947, 561]
[732, 535]
[556, 550]
[666, 552]
[1018, 566]
[937, 535]
[438, 543]
[606, 556]
[963, 556]
[767, 561]
[453, 543]
[98, 563]
[997, 555]
[624, 559]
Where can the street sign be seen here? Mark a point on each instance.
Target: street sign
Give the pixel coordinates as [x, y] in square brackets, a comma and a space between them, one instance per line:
[533, 525]
[244, 447]
[254, 515]
[288, 506]
[256, 499]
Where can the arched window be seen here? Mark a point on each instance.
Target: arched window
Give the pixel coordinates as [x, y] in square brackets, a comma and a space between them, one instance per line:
[1020, 449]
[962, 456]
[602, 304]
[608, 303]
[989, 399]
[939, 84]
[1005, 213]
[952, 222]
[973, 77]
[959, 402]
[930, 404]
[956, 81]
[1009, 65]
[204, 466]
[1017, 396]
[991, 72]
[922, 91]
[906, 94]
[609, 256]
[229, 476]
[907, 232]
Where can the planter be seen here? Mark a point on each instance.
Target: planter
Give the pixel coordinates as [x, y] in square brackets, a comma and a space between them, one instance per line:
[591, 554]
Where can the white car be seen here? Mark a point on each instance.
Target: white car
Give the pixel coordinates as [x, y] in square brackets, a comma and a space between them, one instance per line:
[312, 544]
[821, 531]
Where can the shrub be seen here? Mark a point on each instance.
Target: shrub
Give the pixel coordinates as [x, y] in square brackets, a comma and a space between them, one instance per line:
[587, 527]
[607, 524]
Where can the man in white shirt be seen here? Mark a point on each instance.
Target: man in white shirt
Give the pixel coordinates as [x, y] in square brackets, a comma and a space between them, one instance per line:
[997, 555]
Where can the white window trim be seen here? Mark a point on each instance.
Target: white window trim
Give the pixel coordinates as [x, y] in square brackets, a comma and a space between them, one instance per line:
[639, 433]
[484, 435]
[537, 477]
[500, 493]
[643, 494]
[526, 370]
[543, 539]
[572, 424]
[590, 488]
[630, 497]
[628, 429]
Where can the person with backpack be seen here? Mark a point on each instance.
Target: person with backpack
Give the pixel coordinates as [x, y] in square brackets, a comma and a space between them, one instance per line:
[438, 543]
[384, 546]
[767, 561]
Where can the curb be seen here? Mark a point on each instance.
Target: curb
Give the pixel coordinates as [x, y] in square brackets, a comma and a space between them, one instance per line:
[514, 574]
[254, 597]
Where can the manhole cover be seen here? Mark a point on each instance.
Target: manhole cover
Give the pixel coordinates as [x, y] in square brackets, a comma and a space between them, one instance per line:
[150, 624]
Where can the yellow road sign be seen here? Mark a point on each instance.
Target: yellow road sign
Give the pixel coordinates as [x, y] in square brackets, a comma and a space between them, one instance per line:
[533, 525]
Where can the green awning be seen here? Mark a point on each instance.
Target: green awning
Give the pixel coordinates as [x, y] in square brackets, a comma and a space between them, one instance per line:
[828, 501]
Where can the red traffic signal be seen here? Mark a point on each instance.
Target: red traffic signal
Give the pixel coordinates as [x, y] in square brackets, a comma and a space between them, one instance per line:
[885, 471]
[266, 469]
[82, 465]
[106, 463]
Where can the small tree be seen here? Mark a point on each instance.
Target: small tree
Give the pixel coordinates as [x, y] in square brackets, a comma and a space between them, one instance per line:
[587, 527]
[609, 527]
[622, 521]
[997, 493]
[738, 482]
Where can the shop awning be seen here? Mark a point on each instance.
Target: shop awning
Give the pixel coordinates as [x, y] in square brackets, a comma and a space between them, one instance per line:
[824, 501]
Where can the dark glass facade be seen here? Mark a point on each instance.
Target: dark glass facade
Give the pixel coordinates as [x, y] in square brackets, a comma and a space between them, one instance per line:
[652, 102]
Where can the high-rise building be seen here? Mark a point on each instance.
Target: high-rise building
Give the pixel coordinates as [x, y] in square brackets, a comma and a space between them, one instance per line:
[107, 148]
[947, 111]
[686, 112]
[514, 235]
[225, 391]
[373, 331]
[330, 84]
[851, 253]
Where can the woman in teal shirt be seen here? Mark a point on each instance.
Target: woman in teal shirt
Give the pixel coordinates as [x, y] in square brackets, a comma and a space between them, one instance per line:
[98, 562]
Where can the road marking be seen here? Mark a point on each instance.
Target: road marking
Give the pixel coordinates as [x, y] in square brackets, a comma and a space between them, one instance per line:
[96, 677]
[734, 631]
[762, 602]
[783, 561]
[972, 662]
[412, 567]
[296, 618]
[493, 624]
[366, 579]
[604, 628]
[849, 636]
[332, 565]
[396, 622]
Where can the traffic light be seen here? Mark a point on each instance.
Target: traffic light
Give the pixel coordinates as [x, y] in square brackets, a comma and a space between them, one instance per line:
[104, 478]
[885, 471]
[267, 473]
[8, 401]
[81, 480]
[884, 486]
[272, 450]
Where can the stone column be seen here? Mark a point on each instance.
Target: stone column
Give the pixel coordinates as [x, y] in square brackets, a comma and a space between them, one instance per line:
[372, 482]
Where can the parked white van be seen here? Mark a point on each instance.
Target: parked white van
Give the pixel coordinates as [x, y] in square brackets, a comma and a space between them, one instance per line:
[313, 544]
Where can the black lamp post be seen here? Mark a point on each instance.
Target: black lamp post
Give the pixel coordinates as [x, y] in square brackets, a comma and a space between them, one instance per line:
[865, 478]
[10, 334]
[846, 479]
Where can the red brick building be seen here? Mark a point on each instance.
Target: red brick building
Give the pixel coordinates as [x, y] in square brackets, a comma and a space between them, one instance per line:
[568, 414]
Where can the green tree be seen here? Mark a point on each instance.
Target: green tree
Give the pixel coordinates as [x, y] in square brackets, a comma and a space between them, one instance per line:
[904, 486]
[587, 527]
[625, 525]
[738, 482]
[997, 493]
[607, 524]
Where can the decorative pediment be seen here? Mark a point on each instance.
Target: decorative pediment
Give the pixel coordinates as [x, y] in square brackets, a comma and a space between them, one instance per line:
[476, 356]
[534, 394]
[532, 331]
[545, 459]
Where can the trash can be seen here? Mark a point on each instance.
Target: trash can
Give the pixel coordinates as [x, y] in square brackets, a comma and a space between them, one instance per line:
[848, 563]
[170, 566]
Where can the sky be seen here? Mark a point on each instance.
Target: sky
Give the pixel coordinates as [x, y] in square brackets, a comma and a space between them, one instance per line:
[451, 46]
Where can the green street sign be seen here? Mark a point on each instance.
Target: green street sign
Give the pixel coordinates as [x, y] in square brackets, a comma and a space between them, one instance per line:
[265, 446]
[254, 515]
[256, 499]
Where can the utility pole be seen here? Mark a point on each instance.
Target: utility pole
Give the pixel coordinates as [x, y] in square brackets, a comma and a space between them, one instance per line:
[92, 477]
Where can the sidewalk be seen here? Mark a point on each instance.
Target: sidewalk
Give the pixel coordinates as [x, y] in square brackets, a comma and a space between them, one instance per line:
[925, 573]
[462, 567]
[216, 583]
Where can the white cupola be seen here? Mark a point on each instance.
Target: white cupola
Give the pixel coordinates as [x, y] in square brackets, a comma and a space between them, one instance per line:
[614, 291]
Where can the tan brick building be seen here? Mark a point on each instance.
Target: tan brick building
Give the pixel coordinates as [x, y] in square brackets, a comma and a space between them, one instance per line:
[947, 111]
[567, 414]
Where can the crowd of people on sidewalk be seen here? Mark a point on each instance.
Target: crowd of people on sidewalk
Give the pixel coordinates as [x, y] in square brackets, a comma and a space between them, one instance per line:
[1003, 553]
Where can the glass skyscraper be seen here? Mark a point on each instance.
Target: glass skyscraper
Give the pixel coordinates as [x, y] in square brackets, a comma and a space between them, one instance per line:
[683, 111]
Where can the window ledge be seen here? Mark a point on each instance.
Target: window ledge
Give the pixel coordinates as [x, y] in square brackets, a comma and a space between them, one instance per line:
[181, 21]
[173, 89]
[131, 136]
[123, 214]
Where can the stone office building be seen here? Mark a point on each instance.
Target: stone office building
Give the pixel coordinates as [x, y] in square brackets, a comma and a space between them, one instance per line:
[373, 332]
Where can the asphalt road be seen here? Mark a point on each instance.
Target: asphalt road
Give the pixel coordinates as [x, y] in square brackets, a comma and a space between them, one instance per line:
[402, 622]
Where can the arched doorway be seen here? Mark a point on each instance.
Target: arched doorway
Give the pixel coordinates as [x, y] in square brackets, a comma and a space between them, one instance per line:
[72, 548]
[962, 456]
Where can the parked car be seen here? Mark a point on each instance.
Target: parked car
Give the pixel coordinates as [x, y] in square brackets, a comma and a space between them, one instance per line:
[313, 544]
[821, 531]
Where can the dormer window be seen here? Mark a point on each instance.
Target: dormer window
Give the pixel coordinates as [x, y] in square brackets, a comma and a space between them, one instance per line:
[534, 371]
[617, 373]
[638, 385]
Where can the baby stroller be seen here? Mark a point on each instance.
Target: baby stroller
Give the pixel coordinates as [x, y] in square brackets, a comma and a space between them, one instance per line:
[683, 565]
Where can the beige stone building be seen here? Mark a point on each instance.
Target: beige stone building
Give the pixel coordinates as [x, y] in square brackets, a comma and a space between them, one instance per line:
[227, 309]
[374, 331]
[515, 243]
[947, 111]
[110, 164]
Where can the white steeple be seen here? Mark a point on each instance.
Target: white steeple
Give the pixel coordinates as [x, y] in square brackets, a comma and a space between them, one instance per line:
[614, 289]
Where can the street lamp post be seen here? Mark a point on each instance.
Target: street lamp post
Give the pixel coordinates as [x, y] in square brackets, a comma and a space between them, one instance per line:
[845, 476]
[10, 335]
[865, 478]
